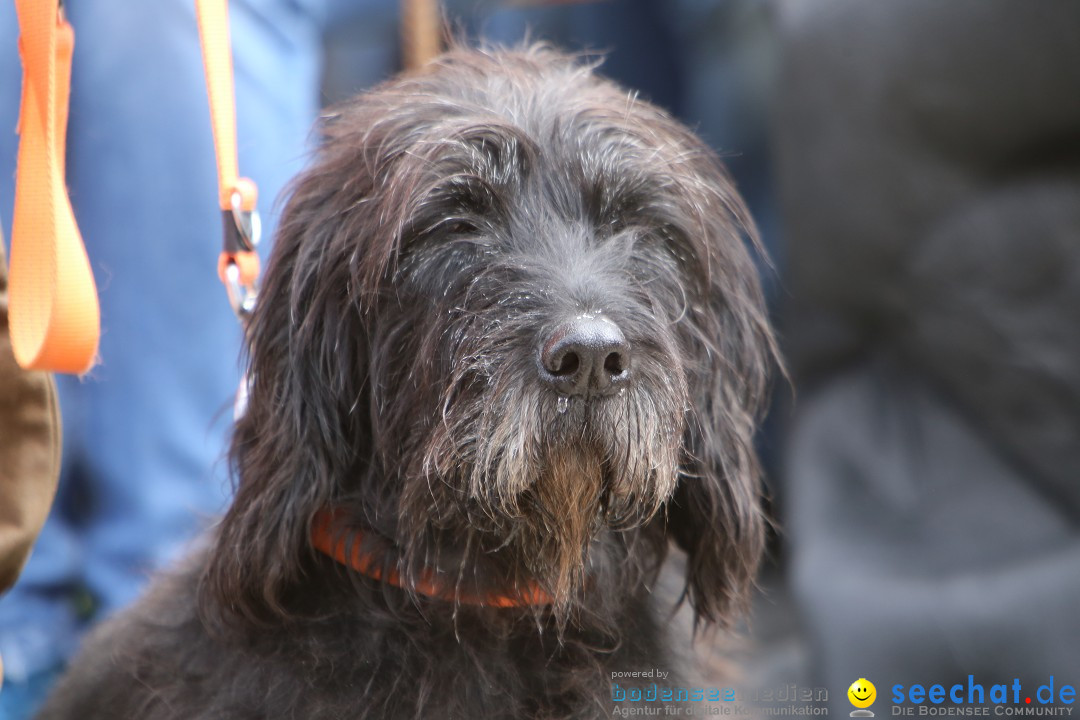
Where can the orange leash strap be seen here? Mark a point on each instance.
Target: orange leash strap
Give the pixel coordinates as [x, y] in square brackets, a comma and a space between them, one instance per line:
[238, 265]
[54, 314]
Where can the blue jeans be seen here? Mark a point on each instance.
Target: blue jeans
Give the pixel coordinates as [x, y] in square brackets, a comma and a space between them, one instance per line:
[144, 432]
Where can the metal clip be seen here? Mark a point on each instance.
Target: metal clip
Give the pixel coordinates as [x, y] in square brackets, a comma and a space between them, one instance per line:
[248, 223]
[241, 298]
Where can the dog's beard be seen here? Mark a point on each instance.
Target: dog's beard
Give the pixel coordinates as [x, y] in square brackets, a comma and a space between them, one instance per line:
[539, 476]
[562, 513]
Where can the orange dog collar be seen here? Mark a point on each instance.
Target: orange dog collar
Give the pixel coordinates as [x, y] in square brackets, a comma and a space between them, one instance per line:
[429, 583]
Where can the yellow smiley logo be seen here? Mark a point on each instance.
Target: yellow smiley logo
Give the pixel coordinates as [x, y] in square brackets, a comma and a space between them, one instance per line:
[862, 693]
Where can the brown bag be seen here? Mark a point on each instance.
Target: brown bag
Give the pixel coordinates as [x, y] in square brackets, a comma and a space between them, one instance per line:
[29, 450]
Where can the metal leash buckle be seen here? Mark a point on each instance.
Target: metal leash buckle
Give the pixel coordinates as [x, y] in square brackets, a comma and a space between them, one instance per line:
[248, 229]
[241, 298]
[243, 230]
[247, 222]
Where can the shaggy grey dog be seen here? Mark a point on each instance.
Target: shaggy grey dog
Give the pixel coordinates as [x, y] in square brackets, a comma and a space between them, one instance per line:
[511, 342]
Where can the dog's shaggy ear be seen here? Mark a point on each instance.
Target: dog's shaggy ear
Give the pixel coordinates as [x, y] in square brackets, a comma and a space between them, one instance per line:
[717, 514]
[307, 424]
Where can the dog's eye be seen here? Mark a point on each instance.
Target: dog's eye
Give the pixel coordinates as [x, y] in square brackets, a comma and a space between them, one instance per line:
[614, 210]
[458, 227]
[444, 227]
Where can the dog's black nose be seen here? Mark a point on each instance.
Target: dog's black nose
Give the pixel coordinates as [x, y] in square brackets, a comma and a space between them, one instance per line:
[586, 356]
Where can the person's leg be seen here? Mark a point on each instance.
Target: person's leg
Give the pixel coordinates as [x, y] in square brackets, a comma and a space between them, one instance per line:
[10, 95]
[39, 620]
[362, 46]
[143, 182]
[37, 617]
[634, 37]
[144, 464]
